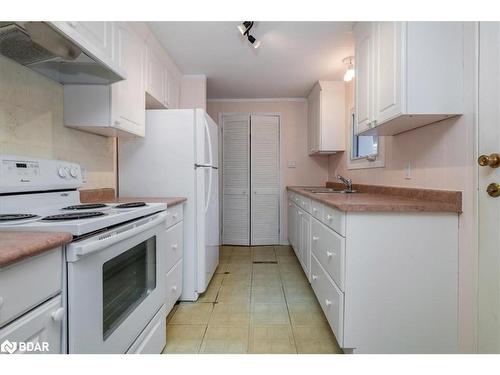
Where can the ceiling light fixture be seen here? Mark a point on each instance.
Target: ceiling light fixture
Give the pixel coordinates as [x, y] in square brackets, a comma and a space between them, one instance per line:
[244, 29]
[349, 73]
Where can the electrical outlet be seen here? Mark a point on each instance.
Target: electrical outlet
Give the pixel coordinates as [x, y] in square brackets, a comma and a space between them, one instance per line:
[408, 170]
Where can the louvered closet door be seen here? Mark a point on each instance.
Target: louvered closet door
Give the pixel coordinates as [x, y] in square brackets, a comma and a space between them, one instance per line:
[265, 180]
[236, 179]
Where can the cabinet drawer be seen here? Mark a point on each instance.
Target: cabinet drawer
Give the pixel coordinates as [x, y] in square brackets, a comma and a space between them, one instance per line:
[175, 245]
[304, 203]
[330, 298]
[317, 210]
[28, 283]
[39, 326]
[335, 219]
[174, 215]
[329, 249]
[174, 286]
[152, 340]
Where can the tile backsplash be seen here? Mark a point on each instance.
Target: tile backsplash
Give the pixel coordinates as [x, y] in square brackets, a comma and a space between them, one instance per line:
[31, 124]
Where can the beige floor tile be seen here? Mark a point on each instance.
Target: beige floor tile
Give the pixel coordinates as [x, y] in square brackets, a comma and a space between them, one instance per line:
[262, 249]
[184, 339]
[239, 268]
[299, 293]
[241, 250]
[221, 268]
[240, 259]
[237, 279]
[294, 268]
[225, 250]
[192, 313]
[306, 314]
[172, 312]
[230, 314]
[294, 278]
[268, 256]
[284, 250]
[271, 340]
[265, 268]
[234, 294]
[315, 340]
[225, 340]
[287, 259]
[267, 294]
[212, 291]
[269, 314]
[224, 259]
[262, 279]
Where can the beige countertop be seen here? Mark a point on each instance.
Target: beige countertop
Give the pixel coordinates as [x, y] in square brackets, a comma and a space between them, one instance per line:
[170, 201]
[16, 246]
[383, 199]
[107, 195]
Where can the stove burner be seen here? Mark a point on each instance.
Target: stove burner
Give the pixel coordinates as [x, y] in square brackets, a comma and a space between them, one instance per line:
[87, 206]
[9, 217]
[73, 216]
[131, 205]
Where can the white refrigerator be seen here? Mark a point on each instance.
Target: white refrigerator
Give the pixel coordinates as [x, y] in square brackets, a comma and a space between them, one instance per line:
[179, 157]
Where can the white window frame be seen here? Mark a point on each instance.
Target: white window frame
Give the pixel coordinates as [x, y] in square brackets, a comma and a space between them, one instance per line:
[369, 161]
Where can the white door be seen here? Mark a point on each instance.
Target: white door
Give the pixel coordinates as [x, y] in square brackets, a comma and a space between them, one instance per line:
[364, 75]
[489, 202]
[388, 69]
[265, 180]
[236, 179]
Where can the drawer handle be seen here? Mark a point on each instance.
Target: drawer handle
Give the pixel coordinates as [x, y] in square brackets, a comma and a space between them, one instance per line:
[174, 288]
[315, 209]
[58, 315]
[314, 277]
[328, 303]
[300, 213]
[174, 216]
[175, 246]
[1, 302]
[315, 238]
[329, 254]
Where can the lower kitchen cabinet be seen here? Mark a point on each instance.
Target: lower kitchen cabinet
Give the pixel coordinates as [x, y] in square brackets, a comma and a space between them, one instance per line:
[386, 281]
[175, 251]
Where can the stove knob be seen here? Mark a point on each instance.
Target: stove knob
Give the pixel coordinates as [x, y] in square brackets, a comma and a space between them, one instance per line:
[74, 172]
[62, 172]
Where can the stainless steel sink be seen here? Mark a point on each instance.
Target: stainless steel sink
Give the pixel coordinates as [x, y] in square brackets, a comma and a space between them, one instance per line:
[329, 191]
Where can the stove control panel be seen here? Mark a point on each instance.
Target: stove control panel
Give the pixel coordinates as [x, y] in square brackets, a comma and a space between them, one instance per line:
[23, 174]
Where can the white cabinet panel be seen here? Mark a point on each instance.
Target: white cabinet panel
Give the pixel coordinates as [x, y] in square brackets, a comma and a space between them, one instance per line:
[155, 82]
[175, 245]
[174, 286]
[41, 326]
[408, 74]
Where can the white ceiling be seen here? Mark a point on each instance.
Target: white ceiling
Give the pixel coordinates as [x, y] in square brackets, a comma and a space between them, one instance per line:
[292, 57]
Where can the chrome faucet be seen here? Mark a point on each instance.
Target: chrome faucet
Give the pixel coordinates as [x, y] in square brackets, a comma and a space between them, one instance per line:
[347, 182]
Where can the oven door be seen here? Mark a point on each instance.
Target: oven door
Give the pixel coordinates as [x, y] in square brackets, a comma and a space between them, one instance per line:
[115, 285]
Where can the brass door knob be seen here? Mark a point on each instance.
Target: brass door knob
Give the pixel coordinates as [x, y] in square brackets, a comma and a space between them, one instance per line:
[492, 161]
[493, 190]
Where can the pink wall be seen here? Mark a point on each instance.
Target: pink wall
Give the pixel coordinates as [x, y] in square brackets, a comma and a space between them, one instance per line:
[293, 117]
[442, 156]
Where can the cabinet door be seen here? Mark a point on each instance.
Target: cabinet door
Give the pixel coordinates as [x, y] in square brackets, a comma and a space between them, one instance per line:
[313, 121]
[364, 76]
[305, 230]
[155, 83]
[38, 329]
[172, 89]
[128, 96]
[389, 82]
[290, 226]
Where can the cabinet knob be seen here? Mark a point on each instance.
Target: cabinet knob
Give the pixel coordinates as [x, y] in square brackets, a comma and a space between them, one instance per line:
[314, 277]
[175, 246]
[493, 160]
[1, 302]
[329, 217]
[315, 238]
[328, 303]
[174, 288]
[329, 254]
[58, 315]
[174, 216]
[289, 205]
[72, 24]
[315, 209]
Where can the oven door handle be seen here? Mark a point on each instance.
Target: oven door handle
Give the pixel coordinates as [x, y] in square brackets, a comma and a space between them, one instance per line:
[105, 240]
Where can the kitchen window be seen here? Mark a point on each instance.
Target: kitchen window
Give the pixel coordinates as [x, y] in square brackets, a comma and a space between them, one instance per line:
[365, 151]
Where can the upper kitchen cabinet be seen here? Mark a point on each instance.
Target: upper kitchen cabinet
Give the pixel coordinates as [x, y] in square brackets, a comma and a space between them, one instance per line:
[117, 109]
[172, 88]
[326, 118]
[408, 74]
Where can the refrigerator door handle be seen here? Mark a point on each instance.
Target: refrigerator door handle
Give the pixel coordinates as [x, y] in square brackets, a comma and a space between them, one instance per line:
[209, 141]
[202, 166]
[209, 195]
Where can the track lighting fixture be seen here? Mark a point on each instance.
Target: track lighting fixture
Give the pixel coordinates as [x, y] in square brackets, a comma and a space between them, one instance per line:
[349, 73]
[244, 29]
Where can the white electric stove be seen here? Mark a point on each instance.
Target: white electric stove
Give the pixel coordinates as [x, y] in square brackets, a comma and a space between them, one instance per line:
[114, 268]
